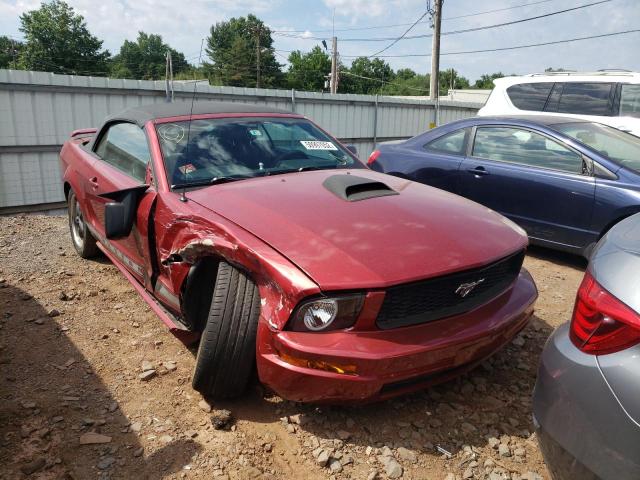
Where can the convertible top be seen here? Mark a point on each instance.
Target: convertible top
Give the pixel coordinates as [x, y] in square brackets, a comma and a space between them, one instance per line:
[144, 113]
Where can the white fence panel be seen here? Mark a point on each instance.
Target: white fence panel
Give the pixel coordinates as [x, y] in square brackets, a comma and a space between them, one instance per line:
[39, 110]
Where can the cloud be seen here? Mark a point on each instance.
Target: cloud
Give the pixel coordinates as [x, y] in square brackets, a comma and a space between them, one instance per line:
[372, 8]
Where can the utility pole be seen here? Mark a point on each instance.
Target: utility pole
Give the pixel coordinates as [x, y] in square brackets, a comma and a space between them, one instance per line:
[167, 57]
[435, 48]
[258, 57]
[334, 65]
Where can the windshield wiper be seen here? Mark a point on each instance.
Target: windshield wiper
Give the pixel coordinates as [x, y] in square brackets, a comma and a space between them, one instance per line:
[300, 169]
[211, 181]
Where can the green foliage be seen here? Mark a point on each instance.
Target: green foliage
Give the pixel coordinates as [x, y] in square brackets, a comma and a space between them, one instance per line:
[408, 85]
[57, 40]
[486, 80]
[352, 80]
[10, 50]
[405, 74]
[145, 59]
[232, 48]
[449, 78]
[307, 71]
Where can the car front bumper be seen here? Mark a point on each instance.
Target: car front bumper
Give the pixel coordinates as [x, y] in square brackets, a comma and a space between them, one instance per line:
[583, 431]
[391, 362]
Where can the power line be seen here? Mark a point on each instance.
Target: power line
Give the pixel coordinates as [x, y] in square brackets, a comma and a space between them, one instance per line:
[401, 36]
[345, 72]
[378, 27]
[454, 32]
[508, 48]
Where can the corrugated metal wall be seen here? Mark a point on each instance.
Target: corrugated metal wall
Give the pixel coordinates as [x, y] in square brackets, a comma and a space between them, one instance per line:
[39, 110]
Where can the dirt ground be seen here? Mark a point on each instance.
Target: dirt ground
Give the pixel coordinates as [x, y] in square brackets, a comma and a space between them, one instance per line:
[73, 339]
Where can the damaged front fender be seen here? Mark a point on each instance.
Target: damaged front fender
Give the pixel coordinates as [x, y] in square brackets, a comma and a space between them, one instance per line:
[182, 240]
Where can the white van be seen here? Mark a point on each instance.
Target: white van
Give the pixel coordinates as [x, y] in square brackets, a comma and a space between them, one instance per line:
[611, 97]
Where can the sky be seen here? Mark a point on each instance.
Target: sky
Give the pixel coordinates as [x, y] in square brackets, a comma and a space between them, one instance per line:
[183, 24]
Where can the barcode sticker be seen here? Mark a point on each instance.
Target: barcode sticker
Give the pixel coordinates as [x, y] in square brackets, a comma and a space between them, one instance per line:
[318, 145]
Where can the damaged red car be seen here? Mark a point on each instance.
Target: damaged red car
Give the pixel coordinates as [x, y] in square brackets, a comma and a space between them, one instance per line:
[256, 233]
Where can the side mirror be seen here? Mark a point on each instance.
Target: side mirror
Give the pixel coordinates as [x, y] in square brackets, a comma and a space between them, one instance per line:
[120, 214]
[352, 149]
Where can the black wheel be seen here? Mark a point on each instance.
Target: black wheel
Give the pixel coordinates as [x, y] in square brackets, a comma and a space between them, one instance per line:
[227, 352]
[81, 237]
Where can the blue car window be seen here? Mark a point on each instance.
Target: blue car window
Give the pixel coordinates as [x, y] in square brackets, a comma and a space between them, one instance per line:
[621, 147]
[451, 143]
[516, 145]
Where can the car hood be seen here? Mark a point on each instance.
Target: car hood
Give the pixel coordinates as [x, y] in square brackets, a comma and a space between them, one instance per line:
[420, 232]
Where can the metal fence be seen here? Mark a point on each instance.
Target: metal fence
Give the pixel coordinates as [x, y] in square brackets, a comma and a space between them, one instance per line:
[39, 110]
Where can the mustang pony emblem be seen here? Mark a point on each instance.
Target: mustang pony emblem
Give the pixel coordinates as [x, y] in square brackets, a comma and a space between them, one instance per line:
[465, 289]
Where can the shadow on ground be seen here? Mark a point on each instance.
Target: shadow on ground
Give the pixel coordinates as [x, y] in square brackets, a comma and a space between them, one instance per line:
[558, 257]
[492, 400]
[50, 397]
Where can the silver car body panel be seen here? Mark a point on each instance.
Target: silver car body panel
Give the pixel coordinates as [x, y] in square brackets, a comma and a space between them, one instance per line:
[615, 262]
[586, 407]
[574, 406]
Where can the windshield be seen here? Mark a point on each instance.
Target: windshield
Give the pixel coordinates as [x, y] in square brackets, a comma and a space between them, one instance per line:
[612, 143]
[224, 149]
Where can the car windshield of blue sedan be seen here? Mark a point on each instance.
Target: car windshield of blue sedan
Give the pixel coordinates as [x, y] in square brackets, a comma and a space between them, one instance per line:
[216, 150]
[621, 147]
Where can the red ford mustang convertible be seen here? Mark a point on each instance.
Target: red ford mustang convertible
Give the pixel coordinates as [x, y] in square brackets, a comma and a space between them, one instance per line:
[256, 232]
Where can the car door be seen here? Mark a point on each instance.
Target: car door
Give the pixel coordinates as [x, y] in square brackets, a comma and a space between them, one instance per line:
[541, 184]
[122, 162]
[437, 162]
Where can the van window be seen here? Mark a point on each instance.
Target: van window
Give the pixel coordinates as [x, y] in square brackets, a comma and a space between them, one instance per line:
[554, 98]
[530, 96]
[630, 101]
[586, 98]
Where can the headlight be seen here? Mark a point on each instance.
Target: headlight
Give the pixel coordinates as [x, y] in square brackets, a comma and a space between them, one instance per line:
[326, 313]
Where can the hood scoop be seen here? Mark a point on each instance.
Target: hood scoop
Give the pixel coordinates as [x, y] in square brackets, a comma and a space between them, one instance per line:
[353, 188]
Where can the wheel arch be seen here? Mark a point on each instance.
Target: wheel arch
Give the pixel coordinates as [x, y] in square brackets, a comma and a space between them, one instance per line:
[197, 290]
[618, 218]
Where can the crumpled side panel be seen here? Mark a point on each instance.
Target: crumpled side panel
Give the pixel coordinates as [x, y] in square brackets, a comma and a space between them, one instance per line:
[187, 232]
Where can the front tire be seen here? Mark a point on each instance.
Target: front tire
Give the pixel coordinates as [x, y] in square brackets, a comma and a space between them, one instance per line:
[227, 352]
[83, 241]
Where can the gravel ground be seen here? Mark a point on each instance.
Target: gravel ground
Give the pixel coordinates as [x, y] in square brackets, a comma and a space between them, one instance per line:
[78, 401]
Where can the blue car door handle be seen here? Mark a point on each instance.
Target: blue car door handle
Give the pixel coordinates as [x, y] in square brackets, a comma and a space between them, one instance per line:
[478, 171]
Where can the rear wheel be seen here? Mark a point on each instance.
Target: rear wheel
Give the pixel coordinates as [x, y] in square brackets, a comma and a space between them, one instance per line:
[227, 352]
[83, 241]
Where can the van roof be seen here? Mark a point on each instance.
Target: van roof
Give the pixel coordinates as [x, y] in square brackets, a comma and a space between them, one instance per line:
[623, 76]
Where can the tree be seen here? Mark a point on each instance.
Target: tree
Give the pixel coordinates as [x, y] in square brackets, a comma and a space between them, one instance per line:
[232, 48]
[145, 59]
[451, 79]
[57, 40]
[408, 85]
[486, 80]
[405, 74]
[307, 71]
[10, 50]
[366, 76]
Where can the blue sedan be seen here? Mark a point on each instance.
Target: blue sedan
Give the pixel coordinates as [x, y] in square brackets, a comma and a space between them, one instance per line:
[565, 181]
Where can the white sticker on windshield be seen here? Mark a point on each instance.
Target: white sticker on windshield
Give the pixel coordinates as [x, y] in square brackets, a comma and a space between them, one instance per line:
[318, 145]
[255, 133]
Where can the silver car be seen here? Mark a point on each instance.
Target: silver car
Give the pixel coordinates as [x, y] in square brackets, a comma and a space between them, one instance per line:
[586, 402]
